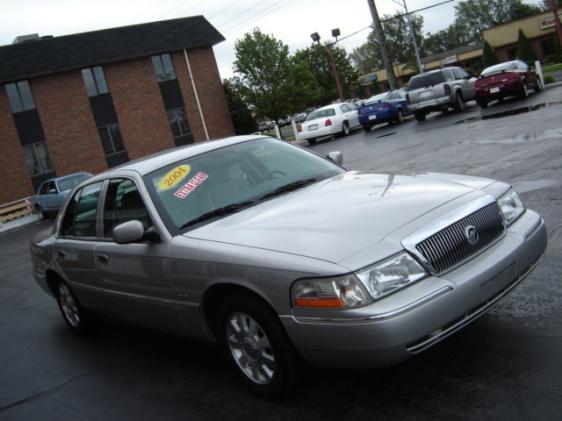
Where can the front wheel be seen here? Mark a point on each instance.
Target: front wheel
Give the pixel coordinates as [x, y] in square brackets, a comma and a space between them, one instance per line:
[40, 213]
[399, 117]
[459, 104]
[256, 346]
[345, 130]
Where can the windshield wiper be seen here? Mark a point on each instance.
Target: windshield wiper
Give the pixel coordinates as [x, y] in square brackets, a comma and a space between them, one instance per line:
[225, 210]
[288, 187]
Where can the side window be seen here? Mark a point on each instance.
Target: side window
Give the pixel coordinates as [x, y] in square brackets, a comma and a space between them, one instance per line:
[448, 75]
[345, 109]
[123, 203]
[51, 187]
[80, 217]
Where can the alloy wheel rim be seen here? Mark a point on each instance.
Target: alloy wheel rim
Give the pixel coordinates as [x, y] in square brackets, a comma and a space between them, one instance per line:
[250, 348]
[400, 116]
[69, 306]
[346, 128]
[525, 90]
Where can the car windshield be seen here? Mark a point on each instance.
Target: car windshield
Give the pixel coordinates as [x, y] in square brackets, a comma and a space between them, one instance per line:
[325, 112]
[426, 80]
[499, 68]
[237, 175]
[68, 183]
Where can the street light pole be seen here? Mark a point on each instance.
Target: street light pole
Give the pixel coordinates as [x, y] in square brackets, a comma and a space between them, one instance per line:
[377, 28]
[413, 35]
[331, 59]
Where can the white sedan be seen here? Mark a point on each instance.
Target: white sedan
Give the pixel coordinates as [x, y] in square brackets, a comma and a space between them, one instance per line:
[330, 120]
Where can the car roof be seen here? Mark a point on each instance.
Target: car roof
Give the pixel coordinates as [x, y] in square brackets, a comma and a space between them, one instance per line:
[65, 176]
[158, 160]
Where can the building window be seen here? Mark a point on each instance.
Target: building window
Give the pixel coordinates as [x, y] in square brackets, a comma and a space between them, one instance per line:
[37, 159]
[178, 122]
[163, 67]
[111, 139]
[94, 79]
[19, 96]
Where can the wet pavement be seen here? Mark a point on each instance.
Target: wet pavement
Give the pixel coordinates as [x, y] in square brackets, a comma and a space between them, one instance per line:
[507, 365]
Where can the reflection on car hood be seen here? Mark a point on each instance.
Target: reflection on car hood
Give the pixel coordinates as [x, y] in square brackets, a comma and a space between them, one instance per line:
[338, 217]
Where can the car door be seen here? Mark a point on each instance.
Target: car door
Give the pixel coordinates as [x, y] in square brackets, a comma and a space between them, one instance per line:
[74, 246]
[527, 74]
[468, 84]
[134, 276]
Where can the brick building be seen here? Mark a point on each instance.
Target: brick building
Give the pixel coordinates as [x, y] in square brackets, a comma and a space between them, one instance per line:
[90, 101]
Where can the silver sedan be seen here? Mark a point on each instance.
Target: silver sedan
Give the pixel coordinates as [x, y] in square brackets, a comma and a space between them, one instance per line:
[281, 255]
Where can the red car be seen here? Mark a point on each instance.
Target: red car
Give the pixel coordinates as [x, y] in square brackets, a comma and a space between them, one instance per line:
[512, 78]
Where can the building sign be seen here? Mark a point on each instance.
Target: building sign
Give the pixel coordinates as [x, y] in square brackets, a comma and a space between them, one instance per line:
[547, 23]
[450, 59]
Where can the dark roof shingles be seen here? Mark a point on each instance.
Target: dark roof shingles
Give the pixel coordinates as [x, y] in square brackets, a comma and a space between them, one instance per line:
[58, 54]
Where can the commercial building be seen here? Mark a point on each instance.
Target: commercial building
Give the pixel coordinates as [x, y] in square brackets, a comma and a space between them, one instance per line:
[540, 29]
[89, 101]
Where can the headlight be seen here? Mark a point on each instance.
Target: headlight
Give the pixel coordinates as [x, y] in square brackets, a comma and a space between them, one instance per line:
[337, 292]
[511, 206]
[391, 274]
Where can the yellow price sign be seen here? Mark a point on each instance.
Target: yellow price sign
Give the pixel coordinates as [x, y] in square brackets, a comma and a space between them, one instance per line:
[174, 177]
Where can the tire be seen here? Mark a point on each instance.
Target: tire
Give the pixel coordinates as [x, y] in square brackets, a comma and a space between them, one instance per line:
[483, 103]
[256, 346]
[312, 141]
[39, 211]
[459, 104]
[399, 117]
[524, 91]
[72, 312]
[345, 130]
[367, 127]
[420, 115]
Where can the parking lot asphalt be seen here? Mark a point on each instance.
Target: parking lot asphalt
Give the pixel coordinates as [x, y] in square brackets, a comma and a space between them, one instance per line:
[505, 366]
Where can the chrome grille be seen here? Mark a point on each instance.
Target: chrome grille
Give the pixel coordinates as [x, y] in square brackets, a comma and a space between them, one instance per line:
[450, 246]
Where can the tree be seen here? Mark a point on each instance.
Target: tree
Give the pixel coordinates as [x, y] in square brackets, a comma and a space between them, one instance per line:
[488, 56]
[546, 4]
[454, 36]
[477, 15]
[524, 50]
[557, 49]
[399, 43]
[242, 118]
[316, 59]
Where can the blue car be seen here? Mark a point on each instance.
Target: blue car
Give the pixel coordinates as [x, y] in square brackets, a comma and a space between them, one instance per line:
[384, 108]
[51, 193]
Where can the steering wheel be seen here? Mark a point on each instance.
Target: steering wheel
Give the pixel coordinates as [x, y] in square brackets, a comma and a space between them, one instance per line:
[272, 174]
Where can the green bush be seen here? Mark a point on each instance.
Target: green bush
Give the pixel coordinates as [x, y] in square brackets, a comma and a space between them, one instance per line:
[548, 79]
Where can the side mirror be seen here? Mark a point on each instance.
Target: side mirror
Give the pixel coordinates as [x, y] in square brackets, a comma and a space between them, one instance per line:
[335, 156]
[128, 232]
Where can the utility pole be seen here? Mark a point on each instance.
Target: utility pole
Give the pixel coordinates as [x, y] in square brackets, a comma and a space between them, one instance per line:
[556, 20]
[335, 71]
[413, 35]
[379, 34]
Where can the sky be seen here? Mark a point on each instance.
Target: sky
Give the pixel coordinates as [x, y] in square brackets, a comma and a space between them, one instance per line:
[291, 21]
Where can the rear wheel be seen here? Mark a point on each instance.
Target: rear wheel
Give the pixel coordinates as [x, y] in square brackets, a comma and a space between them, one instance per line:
[524, 91]
[420, 115]
[367, 127]
[256, 345]
[312, 141]
[482, 102]
[72, 312]
[459, 104]
[345, 130]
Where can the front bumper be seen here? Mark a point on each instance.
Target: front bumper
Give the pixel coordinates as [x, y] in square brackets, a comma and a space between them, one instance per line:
[415, 318]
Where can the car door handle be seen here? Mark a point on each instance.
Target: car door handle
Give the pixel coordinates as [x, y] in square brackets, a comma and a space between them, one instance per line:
[102, 258]
[61, 254]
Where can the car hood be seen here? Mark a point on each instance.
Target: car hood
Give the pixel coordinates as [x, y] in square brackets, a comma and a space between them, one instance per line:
[338, 217]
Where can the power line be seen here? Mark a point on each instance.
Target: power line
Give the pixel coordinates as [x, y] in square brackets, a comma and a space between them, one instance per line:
[225, 9]
[260, 15]
[173, 9]
[245, 11]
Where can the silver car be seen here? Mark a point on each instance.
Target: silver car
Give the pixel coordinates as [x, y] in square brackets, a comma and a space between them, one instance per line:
[439, 90]
[281, 255]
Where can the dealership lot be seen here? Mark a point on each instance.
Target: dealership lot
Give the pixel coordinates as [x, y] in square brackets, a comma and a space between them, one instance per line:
[507, 365]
